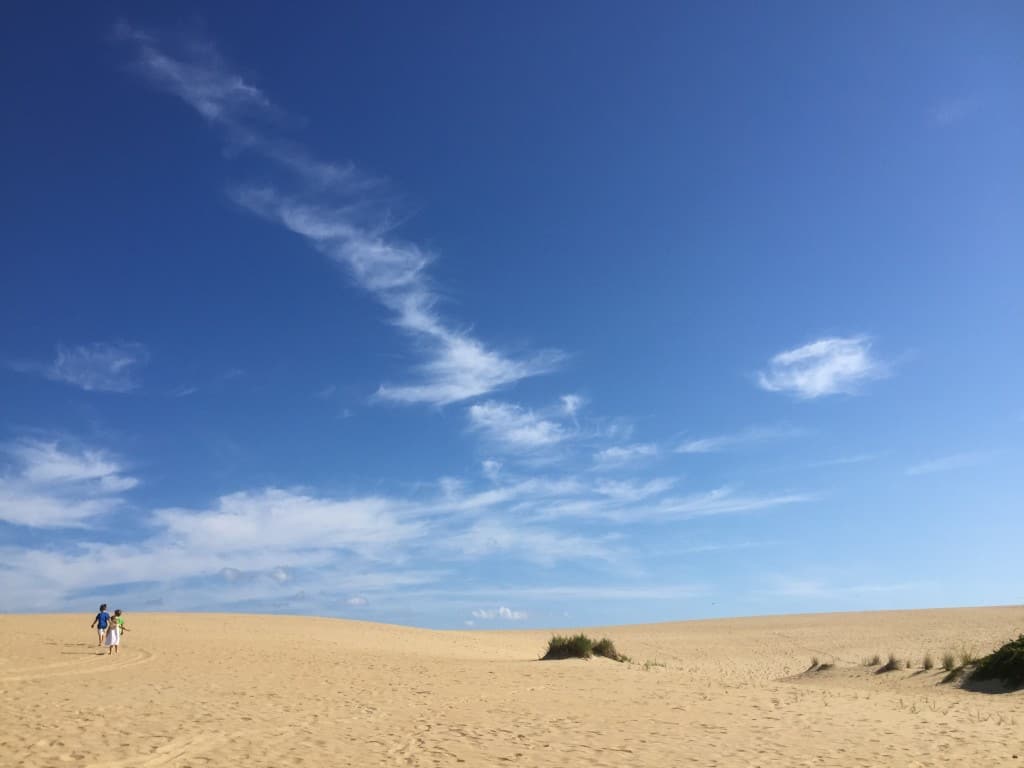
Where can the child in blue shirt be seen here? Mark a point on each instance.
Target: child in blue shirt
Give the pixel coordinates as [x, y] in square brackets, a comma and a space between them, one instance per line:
[100, 622]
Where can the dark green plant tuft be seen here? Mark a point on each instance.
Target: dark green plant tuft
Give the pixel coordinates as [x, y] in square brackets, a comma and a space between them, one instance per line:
[581, 647]
[606, 648]
[928, 662]
[948, 661]
[1005, 664]
[576, 647]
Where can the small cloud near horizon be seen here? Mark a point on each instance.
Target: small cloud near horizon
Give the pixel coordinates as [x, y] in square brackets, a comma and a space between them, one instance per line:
[500, 613]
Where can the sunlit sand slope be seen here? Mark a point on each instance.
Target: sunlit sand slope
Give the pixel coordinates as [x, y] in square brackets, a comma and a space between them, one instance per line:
[229, 690]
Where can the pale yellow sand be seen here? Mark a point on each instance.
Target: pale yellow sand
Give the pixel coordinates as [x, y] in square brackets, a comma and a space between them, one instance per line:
[214, 690]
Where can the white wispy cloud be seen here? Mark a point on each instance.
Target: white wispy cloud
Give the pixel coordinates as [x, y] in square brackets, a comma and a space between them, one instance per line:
[47, 486]
[500, 612]
[859, 458]
[721, 442]
[824, 367]
[948, 463]
[538, 544]
[723, 501]
[196, 73]
[97, 367]
[571, 404]
[203, 82]
[633, 491]
[580, 592]
[619, 455]
[491, 468]
[639, 502]
[703, 548]
[275, 548]
[293, 520]
[515, 427]
[457, 366]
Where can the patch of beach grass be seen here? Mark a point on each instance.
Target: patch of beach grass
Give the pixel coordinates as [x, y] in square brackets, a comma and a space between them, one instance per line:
[569, 647]
[1005, 664]
[580, 646]
[606, 648]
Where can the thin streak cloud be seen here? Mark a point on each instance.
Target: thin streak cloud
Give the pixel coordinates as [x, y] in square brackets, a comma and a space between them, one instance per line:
[947, 463]
[457, 366]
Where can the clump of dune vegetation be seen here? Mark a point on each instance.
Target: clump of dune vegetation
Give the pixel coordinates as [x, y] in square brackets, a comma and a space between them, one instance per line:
[928, 662]
[874, 661]
[581, 647]
[606, 648]
[948, 661]
[892, 664]
[1005, 664]
[569, 647]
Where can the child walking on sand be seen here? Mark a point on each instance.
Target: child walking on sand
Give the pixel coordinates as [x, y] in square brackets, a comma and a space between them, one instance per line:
[100, 622]
[113, 637]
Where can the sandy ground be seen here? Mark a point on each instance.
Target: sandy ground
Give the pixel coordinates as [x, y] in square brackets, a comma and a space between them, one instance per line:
[216, 690]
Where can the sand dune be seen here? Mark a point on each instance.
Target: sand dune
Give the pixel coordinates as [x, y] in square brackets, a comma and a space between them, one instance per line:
[231, 690]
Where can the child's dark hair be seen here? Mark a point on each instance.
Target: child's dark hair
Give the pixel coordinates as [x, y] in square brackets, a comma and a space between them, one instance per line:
[117, 612]
[103, 606]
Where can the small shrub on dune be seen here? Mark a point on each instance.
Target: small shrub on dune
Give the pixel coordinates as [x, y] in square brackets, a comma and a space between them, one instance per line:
[948, 661]
[581, 647]
[606, 648]
[928, 662]
[874, 661]
[576, 647]
[1005, 664]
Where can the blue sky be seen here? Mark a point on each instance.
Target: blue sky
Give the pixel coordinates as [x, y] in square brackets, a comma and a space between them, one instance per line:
[502, 317]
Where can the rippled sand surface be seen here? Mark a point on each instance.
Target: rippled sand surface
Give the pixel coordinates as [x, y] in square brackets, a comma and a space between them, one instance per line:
[234, 690]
